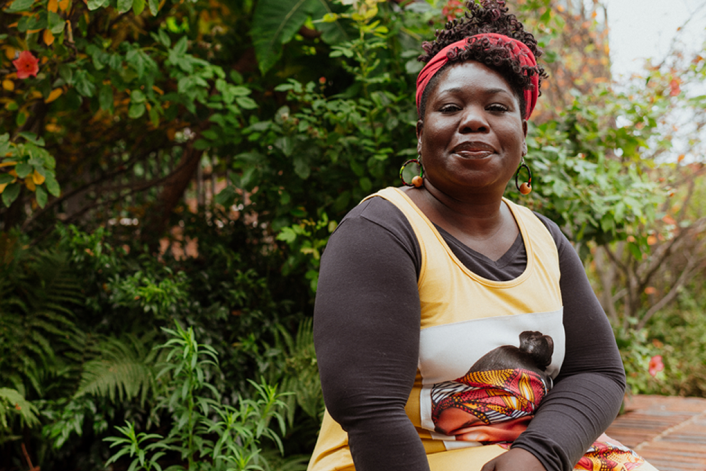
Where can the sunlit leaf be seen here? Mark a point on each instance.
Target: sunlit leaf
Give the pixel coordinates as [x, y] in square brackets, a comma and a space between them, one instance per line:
[138, 6]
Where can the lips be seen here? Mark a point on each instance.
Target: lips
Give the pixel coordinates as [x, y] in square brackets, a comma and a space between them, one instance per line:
[473, 149]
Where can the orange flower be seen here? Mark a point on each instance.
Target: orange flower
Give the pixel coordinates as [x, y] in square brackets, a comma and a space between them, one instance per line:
[26, 65]
[656, 365]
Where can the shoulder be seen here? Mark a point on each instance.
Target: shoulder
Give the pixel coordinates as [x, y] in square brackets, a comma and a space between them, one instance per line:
[377, 225]
[562, 243]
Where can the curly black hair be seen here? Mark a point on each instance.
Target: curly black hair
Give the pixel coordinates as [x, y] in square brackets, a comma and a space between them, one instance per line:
[488, 16]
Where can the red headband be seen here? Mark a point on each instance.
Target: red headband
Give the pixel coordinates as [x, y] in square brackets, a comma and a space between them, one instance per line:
[519, 50]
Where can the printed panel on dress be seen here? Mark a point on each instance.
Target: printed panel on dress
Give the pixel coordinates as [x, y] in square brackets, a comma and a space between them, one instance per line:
[483, 379]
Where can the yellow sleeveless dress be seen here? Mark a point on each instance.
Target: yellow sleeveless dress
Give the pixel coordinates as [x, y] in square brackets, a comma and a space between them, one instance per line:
[465, 319]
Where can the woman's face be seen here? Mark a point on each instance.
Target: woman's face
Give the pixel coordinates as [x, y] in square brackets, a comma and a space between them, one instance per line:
[472, 135]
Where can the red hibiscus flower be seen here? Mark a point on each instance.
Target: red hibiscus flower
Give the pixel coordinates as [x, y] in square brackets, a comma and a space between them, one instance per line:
[26, 65]
[656, 365]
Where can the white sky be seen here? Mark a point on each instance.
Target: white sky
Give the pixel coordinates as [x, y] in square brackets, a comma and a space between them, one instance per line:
[641, 29]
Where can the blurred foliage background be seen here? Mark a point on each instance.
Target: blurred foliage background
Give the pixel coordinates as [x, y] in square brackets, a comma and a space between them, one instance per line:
[170, 172]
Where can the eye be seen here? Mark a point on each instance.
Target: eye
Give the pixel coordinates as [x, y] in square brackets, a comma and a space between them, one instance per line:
[497, 107]
[449, 108]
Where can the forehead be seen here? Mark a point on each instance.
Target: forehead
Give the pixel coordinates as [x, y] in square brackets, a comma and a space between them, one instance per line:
[473, 77]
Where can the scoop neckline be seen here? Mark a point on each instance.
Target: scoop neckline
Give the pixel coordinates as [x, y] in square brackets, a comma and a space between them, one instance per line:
[485, 281]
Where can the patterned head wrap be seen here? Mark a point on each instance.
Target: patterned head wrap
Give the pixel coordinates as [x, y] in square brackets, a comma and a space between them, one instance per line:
[520, 51]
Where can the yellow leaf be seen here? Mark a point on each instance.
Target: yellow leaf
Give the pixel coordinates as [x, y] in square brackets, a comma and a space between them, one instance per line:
[8, 85]
[48, 37]
[37, 178]
[32, 31]
[2, 187]
[64, 5]
[56, 93]
[35, 94]
[69, 32]
[10, 52]
[7, 164]
[157, 89]
[53, 5]
[30, 184]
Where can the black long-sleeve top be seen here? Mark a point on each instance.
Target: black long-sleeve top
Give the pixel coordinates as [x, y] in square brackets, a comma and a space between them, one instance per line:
[367, 310]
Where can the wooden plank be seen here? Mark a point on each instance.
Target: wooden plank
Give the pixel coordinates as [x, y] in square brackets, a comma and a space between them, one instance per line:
[669, 432]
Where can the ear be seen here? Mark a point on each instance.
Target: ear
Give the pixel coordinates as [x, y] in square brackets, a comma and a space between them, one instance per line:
[420, 130]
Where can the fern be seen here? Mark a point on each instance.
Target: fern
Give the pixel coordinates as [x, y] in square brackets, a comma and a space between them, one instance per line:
[36, 323]
[124, 369]
[301, 372]
[13, 404]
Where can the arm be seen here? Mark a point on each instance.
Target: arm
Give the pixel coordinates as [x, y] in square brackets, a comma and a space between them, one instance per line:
[589, 390]
[366, 332]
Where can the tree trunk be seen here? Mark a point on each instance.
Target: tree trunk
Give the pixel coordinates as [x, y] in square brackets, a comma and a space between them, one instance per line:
[157, 220]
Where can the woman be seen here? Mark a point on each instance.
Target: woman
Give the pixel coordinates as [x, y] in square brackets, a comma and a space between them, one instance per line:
[418, 286]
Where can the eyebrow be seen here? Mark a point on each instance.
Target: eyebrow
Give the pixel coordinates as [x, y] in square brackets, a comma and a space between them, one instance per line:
[489, 91]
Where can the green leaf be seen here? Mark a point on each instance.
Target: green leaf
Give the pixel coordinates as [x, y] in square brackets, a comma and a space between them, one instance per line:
[41, 196]
[136, 96]
[285, 144]
[154, 116]
[138, 6]
[32, 137]
[84, 83]
[137, 61]
[274, 23]
[246, 102]
[164, 38]
[52, 185]
[96, 4]
[124, 5]
[226, 197]
[66, 73]
[105, 97]
[23, 170]
[201, 144]
[136, 110]
[180, 46]
[332, 32]
[301, 168]
[20, 5]
[5, 178]
[55, 23]
[32, 22]
[154, 7]
[10, 194]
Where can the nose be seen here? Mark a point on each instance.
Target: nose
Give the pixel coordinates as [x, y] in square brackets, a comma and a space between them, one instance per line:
[473, 120]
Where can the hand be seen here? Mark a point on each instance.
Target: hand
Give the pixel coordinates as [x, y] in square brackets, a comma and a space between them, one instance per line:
[516, 459]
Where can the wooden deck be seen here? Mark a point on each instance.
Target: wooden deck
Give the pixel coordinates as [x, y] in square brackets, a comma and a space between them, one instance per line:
[669, 432]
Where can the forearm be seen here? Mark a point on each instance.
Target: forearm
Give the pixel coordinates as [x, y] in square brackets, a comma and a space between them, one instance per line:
[570, 418]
